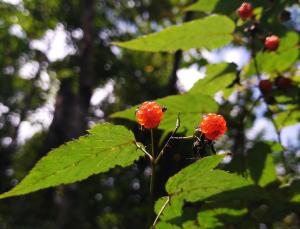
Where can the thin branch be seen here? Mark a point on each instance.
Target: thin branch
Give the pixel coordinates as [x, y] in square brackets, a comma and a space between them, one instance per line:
[140, 147]
[252, 107]
[183, 138]
[167, 143]
[161, 211]
[152, 180]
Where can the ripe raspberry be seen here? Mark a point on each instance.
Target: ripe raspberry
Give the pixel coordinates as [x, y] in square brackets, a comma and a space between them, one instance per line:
[283, 82]
[265, 86]
[149, 114]
[272, 43]
[213, 126]
[245, 11]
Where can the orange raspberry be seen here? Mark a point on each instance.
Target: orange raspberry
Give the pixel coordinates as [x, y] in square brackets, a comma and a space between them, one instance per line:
[213, 126]
[149, 114]
[272, 43]
[245, 11]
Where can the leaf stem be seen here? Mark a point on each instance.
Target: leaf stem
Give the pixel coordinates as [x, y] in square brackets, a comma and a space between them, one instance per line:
[140, 147]
[161, 211]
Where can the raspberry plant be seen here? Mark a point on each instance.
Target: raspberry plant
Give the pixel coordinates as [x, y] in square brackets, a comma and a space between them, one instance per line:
[207, 193]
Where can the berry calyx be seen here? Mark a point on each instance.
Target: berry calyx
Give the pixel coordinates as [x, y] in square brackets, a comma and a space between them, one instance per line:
[149, 114]
[213, 126]
[272, 42]
[265, 86]
[283, 82]
[245, 11]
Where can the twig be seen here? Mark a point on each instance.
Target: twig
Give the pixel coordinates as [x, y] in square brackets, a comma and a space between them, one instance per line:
[252, 107]
[171, 137]
[161, 211]
[183, 138]
[140, 147]
[152, 165]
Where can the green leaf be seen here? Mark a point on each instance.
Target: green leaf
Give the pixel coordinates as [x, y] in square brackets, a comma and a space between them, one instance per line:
[294, 191]
[218, 217]
[171, 211]
[260, 164]
[210, 32]
[190, 106]
[105, 147]
[199, 181]
[218, 77]
[165, 225]
[288, 117]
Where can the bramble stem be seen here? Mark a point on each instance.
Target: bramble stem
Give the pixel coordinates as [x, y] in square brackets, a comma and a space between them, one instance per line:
[171, 137]
[152, 165]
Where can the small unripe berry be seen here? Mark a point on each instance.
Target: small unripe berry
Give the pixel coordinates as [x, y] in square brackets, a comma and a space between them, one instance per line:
[245, 11]
[213, 126]
[265, 86]
[272, 42]
[283, 82]
[149, 114]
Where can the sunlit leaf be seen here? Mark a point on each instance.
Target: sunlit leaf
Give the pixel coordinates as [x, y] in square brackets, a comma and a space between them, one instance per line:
[105, 147]
[210, 32]
[217, 78]
[200, 181]
[217, 217]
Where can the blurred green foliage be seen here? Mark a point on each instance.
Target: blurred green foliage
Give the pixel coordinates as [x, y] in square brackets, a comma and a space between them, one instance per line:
[201, 196]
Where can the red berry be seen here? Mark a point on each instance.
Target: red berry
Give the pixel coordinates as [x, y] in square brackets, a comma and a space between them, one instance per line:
[265, 86]
[149, 114]
[283, 82]
[272, 43]
[213, 126]
[245, 11]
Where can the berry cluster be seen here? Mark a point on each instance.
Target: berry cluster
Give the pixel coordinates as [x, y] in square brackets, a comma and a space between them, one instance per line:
[272, 43]
[213, 126]
[149, 114]
[245, 12]
[281, 82]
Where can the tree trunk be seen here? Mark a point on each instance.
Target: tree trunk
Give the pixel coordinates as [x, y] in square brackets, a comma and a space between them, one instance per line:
[72, 106]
